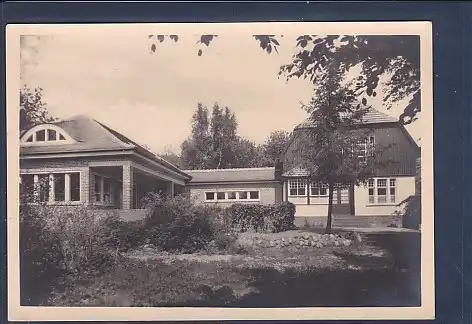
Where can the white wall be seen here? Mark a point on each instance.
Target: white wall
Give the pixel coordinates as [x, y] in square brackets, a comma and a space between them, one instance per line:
[311, 210]
[267, 192]
[405, 187]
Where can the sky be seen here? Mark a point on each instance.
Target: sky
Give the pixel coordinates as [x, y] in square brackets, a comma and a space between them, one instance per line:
[150, 97]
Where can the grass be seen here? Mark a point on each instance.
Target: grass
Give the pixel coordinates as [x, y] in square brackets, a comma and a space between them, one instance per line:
[383, 270]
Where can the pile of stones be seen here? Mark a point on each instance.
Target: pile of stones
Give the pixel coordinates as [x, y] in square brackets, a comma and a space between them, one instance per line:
[307, 240]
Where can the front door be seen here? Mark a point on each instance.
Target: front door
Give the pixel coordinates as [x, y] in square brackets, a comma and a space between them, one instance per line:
[342, 201]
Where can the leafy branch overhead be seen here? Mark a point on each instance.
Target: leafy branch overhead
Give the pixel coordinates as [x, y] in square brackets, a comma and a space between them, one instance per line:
[389, 62]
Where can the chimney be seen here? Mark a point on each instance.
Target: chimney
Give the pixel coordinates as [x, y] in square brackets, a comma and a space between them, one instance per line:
[278, 170]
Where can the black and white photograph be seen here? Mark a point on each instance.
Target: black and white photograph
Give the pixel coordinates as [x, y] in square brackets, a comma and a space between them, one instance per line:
[220, 171]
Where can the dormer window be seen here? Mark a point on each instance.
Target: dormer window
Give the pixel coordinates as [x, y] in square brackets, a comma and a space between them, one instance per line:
[46, 135]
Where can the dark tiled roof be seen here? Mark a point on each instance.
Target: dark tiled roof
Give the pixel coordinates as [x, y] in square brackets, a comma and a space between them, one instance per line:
[91, 135]
[372, 116]
[232, 175]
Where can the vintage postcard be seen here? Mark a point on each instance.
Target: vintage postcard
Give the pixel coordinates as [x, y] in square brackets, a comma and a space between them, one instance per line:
[258, 171]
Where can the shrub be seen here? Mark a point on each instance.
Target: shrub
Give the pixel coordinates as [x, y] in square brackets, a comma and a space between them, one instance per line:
[123, 236]
[82, 233]
[282, 216]
[179, 224]
[41, 258]
[275, 218]
[411, 215]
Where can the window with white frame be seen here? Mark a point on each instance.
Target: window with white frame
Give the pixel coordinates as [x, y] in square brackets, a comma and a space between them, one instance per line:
[365, 147]
[46, 134]
[318, 189]
[58, 187]
[297, 187]
[232, 195]
[382, 190]
[104, 190]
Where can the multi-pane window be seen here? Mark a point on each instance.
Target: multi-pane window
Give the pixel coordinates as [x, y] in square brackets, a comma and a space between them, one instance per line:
[253, 195]
[41, 136]
[75, 186]
[232, 195]
[52, 187]
[371, 186]
[107, 190]
[104, 189]
[392, 189]
[209, 196]
[382, 191]
[243, 195]
[318, 190]
[43, 186]
[98, 188]
[365, 147]
[297, 187]
[60, 187]
[46, 135]
[52, 135]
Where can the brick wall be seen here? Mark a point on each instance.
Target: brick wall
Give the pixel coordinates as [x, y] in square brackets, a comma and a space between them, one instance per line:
[127, 187]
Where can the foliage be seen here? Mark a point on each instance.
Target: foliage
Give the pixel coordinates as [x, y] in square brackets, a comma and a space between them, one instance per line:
[171, 157]
[41, 257]
[396, 59]
[282, 216]
[275, 218]
[33, 109]
[274, 147]
[411, 215]
[330, 149]
[196, 149]
[215, 144]
[122, 235]
[179, 224]
[82, 233]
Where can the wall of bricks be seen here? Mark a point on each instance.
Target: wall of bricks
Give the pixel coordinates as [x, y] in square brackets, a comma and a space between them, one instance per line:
[127, 187]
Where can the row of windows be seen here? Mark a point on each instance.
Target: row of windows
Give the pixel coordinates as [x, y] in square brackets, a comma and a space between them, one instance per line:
[232, 195]
[53, 187]
[381, 190]
[299, 188]
[45, 135]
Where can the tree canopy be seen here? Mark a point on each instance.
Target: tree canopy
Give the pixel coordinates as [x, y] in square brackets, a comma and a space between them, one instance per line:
[335, 148]
[396, 59]
[214, 143]
[33, 110]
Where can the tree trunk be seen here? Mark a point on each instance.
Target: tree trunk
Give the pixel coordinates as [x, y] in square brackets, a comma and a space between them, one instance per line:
[329, 221]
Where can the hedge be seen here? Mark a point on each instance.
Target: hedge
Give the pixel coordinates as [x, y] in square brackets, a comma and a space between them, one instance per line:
[273, 218]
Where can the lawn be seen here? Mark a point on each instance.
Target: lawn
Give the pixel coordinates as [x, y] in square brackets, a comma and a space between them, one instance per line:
[383, 269]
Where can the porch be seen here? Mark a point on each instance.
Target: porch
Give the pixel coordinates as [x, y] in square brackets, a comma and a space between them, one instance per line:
[123, 186]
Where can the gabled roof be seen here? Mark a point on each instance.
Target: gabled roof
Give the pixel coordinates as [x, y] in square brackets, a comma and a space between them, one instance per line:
[372, 116]
[232, 175]
[93, 136]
